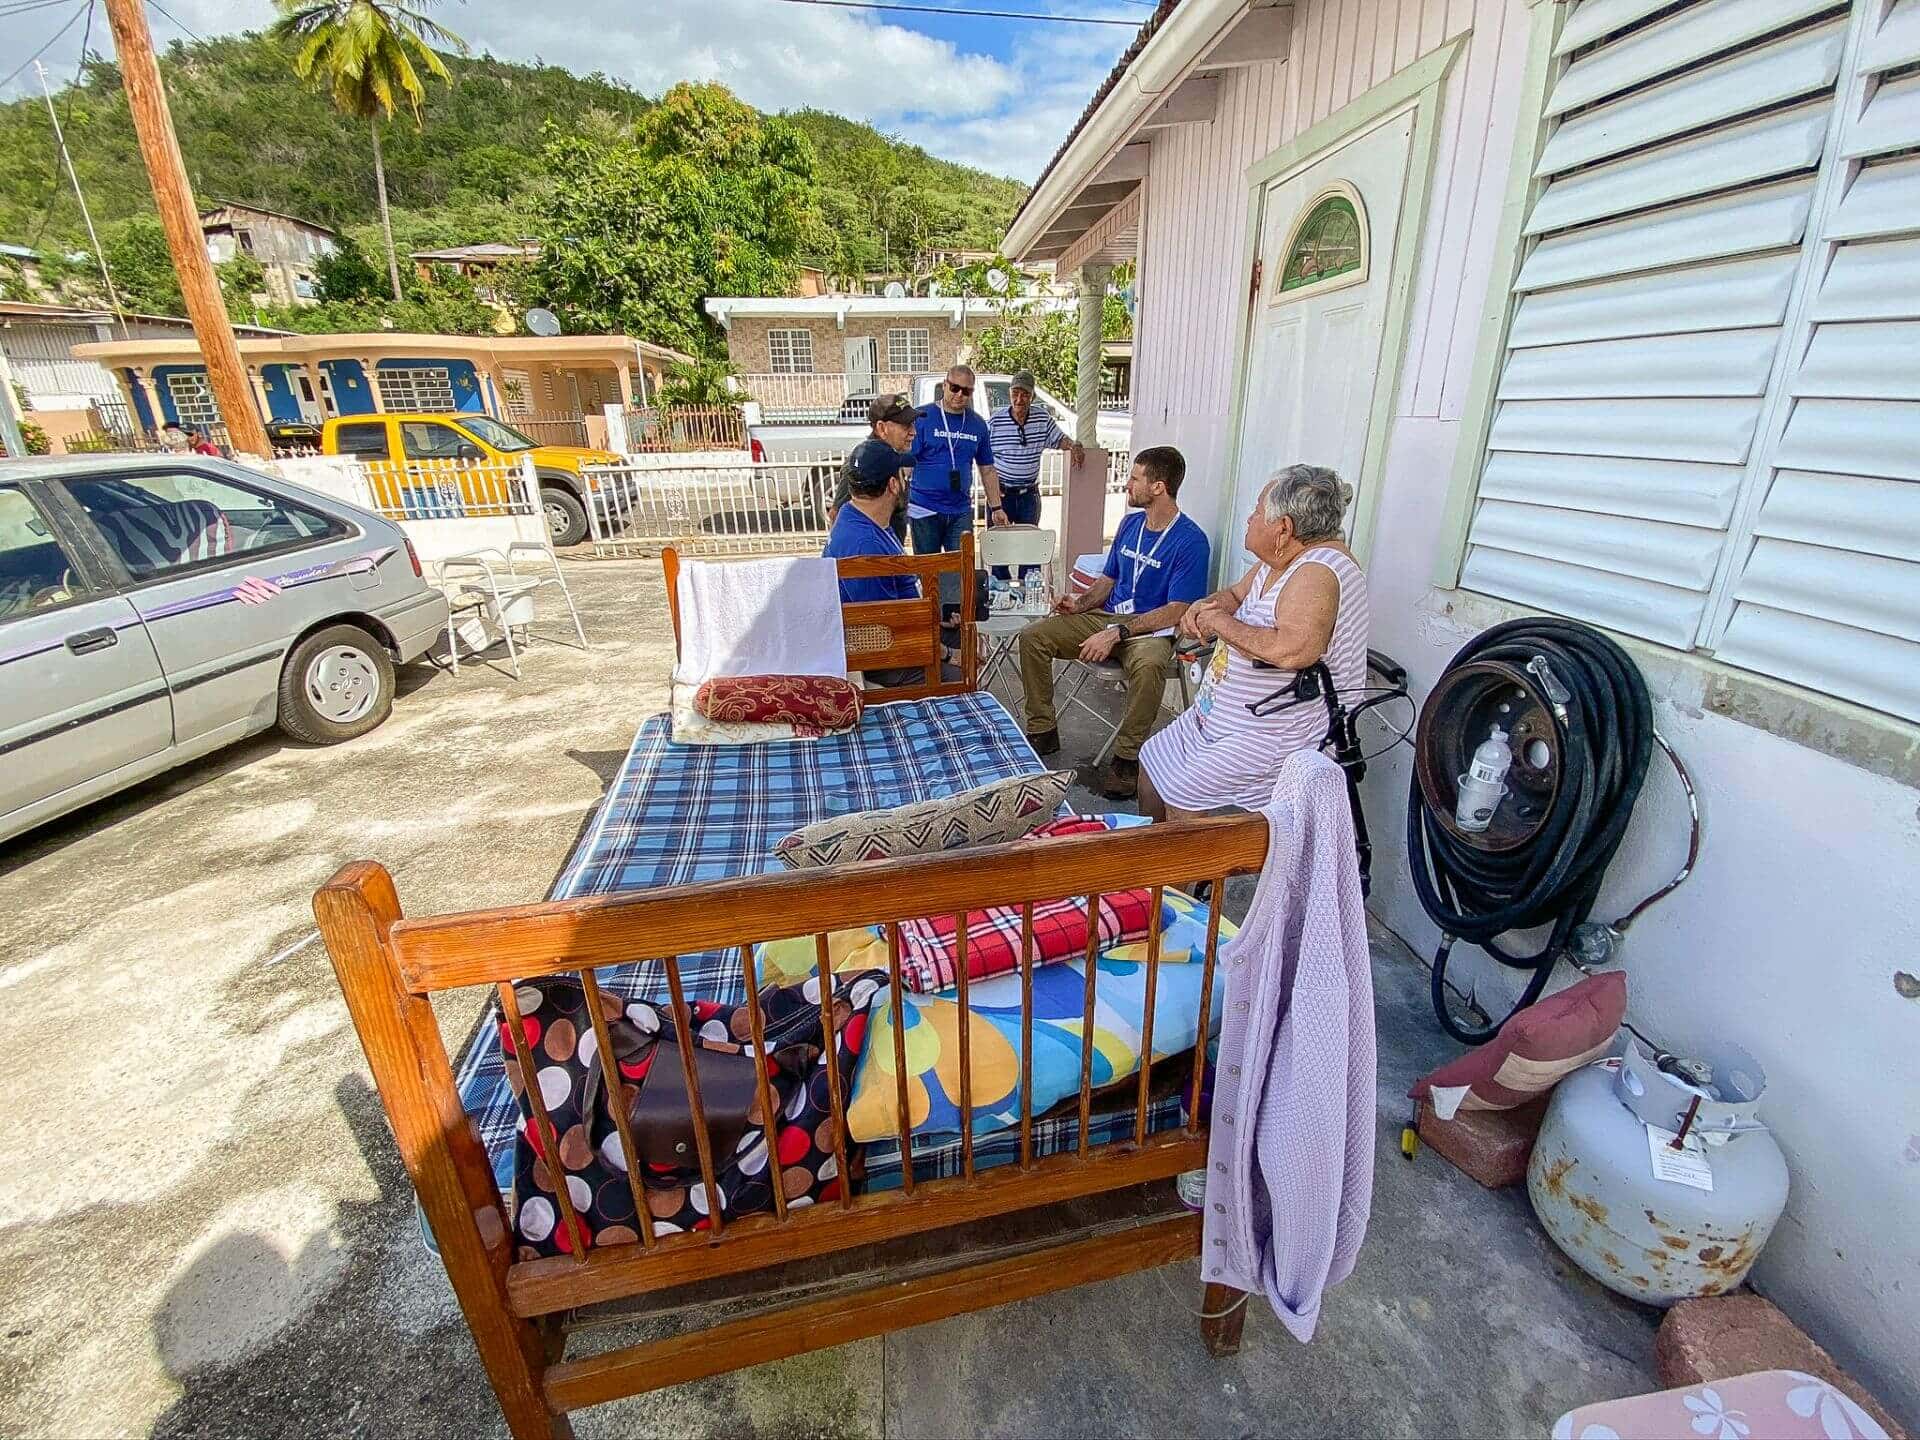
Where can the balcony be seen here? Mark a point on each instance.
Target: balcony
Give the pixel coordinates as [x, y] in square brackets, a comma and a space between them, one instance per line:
[820, 398]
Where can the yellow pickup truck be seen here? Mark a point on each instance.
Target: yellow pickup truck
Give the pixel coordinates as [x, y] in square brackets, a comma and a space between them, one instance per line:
[415, 461]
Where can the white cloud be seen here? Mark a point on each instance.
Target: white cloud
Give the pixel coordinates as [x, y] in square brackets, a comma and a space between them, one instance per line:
[1006, 116]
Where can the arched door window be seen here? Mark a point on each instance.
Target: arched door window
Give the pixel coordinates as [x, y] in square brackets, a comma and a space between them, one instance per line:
[1328, 247]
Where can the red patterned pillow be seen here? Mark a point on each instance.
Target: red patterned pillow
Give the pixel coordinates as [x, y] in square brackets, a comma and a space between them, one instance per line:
[812, 704]
[1549, 1039]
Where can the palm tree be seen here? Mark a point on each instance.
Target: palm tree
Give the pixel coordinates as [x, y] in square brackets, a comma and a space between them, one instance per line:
[367, 55]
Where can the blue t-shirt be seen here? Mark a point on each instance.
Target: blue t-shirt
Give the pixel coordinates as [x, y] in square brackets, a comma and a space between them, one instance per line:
[1153, 567]
[942, 444]
[854, 533]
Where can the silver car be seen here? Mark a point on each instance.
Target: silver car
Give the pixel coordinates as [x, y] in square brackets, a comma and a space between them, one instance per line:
[154, 608]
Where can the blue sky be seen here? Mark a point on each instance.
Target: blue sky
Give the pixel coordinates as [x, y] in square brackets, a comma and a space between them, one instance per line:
[999, 94]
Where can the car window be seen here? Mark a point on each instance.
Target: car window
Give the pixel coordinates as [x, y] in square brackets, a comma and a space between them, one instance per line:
[163, 521]
[999, 395]
[35, 573]
[429, 440]
[366, 442]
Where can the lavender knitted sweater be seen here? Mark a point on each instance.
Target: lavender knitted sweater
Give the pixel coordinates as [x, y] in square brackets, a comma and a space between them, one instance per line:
[1290, 1164]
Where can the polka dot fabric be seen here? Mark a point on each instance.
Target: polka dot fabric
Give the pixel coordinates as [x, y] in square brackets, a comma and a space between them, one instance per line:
[561, 1042]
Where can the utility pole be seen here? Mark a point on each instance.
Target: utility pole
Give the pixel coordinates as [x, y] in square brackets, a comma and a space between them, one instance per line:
[153, 123]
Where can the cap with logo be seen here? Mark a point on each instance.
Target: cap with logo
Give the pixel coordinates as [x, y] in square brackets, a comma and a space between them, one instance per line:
[889, 407]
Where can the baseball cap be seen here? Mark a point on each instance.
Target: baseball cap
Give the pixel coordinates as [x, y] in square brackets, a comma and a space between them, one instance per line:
[1022, 380]
[872, 462]
[889, 407]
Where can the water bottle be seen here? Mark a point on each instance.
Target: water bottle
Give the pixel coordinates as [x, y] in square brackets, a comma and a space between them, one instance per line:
[1036, 592]
[1485, 782]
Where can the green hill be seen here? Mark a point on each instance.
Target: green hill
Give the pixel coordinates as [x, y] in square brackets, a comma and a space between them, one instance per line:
[252, 134]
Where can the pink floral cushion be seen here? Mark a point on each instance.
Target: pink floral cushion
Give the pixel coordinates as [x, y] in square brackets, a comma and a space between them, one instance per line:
[1766, 1405]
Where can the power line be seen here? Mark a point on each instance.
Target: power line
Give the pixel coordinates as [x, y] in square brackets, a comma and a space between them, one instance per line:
[21, 7]
[168, 14]
[20, 69]
[59, 128]
[956, 10]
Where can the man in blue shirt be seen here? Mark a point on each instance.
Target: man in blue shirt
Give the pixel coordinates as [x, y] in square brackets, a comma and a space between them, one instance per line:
[1157, 567]
[949, 441]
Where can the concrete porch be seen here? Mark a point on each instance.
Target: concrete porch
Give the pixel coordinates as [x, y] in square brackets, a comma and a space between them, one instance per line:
[226, 1245]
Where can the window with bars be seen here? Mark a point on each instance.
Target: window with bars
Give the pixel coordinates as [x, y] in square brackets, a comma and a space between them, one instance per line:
[909, 350]
[1706, 431]
[193, 401]
[415, 387]
[790, 352]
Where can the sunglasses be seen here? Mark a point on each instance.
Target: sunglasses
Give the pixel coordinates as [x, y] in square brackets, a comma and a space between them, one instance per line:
[953, 389]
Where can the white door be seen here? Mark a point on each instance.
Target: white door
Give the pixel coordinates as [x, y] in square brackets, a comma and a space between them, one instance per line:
[863, 363]
[1326, 250]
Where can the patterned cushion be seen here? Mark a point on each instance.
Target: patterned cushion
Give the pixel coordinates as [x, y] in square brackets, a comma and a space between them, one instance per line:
[932, 1033]
[987, 815]
[821, 704]
[1534, 1050]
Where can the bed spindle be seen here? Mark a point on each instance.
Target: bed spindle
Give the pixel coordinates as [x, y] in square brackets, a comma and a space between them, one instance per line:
[1146, 1019]
[763, 1084]
[966, 1044]
[1216, 901]
[1026, 1036]
[1086, 1023]
[830, 1057]
[542, 1120]
[617, 1107]
[900, 1058]
[702, 1142]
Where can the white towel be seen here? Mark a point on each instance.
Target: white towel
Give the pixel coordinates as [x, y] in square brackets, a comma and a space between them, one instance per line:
[760, 617]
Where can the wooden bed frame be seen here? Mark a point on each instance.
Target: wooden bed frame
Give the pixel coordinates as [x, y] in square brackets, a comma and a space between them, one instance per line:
[389, 967]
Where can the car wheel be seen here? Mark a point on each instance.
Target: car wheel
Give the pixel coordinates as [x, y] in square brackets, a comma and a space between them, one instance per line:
[337, 683]
[566, 516]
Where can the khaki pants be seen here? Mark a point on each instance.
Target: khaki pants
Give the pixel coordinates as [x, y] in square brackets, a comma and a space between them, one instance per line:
[1059, 637]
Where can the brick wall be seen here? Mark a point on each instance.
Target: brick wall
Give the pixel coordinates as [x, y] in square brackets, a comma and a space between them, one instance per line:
[947, 345]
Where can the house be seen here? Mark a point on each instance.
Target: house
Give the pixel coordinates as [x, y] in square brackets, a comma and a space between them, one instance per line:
[1607, 310]
[71, 396]
[804, 358]
[285, 245]
[548, 386]
[476, 262]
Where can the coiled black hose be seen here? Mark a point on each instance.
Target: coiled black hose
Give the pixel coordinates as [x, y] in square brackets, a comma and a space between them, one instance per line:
[1606, 737]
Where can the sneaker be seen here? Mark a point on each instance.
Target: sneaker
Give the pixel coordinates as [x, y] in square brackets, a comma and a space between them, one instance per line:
[1045, 742]
[1122, 779]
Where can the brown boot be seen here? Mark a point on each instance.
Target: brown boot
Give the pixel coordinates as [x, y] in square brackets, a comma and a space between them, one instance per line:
[1122, 779]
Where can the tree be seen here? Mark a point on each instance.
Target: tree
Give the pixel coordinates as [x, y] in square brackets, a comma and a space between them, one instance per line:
[142, 266]
[1045, 342]
[345, 273]
[701, 382]
[241, 278]
[363, 54]
[709, 198]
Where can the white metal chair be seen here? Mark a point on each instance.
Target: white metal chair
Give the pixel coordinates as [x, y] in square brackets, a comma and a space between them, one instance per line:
[1085, 570]
[1017, 548]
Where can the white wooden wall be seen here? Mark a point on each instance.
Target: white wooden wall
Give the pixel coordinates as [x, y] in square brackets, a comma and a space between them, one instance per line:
[1192, 267]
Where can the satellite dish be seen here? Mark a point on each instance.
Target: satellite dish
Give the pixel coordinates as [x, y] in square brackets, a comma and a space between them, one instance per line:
[542, 321]
[997, 280]
[895, 290]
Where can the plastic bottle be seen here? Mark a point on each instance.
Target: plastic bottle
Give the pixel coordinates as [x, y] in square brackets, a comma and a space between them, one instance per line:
[1036, 592]
[1484, 784]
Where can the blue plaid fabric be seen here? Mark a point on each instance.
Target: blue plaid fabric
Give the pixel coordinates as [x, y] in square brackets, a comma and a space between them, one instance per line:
[680, 813]
[937, 1157]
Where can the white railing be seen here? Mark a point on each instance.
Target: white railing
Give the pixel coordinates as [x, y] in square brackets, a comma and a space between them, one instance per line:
[708, 505]
[822, 397]
[552, 427]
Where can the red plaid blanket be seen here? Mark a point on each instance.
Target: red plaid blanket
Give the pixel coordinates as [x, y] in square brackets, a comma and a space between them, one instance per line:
[928, 948]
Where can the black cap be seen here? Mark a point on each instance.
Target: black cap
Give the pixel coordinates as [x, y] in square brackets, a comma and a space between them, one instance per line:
[889, 407]
[872, 462]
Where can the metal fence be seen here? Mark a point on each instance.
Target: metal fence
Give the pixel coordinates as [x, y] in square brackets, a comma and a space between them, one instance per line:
[552, 427]
[716, 507]
[822, 397]
[654, 429]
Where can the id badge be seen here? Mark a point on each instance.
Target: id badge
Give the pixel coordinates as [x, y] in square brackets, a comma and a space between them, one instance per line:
[1125, 607]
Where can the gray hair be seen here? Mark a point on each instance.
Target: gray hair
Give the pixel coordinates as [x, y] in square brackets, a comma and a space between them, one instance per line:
[1312, 496]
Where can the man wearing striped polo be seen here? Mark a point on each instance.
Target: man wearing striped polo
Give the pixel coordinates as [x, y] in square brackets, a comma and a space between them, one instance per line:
[1027, 432]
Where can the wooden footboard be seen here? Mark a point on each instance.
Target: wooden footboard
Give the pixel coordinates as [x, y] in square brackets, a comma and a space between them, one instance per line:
[388, 966]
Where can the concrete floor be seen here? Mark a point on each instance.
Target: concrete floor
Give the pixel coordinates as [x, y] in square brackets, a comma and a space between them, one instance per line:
[208, 1232]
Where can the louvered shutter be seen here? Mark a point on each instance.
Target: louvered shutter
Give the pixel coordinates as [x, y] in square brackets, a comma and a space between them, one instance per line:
[1829, 591]
[1649, 311]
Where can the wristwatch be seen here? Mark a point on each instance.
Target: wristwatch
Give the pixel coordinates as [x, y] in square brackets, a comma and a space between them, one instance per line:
[1119, 627]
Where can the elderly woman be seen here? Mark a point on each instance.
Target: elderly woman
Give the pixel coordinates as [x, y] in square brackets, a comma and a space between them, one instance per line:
[1306, 600]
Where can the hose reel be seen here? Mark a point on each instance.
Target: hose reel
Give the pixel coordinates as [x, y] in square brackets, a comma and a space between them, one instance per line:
[1576, 715]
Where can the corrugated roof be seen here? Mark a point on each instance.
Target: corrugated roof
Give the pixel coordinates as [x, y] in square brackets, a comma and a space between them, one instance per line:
[1146, 32]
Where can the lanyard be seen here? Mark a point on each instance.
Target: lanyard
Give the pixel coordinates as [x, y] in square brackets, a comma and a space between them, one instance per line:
[1138, 558]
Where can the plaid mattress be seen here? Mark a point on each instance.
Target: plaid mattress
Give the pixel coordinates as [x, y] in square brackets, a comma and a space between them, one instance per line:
[938, 1157]
[679, 813]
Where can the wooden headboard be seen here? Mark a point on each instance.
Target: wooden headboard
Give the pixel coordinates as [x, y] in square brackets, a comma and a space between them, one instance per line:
[891, 634]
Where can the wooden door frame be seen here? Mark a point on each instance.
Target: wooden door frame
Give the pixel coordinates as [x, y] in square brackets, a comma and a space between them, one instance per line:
[1416, 89]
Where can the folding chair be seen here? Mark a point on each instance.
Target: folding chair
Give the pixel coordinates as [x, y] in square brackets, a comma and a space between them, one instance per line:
[1086, 570]
[497, 583]
[1017, 547]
